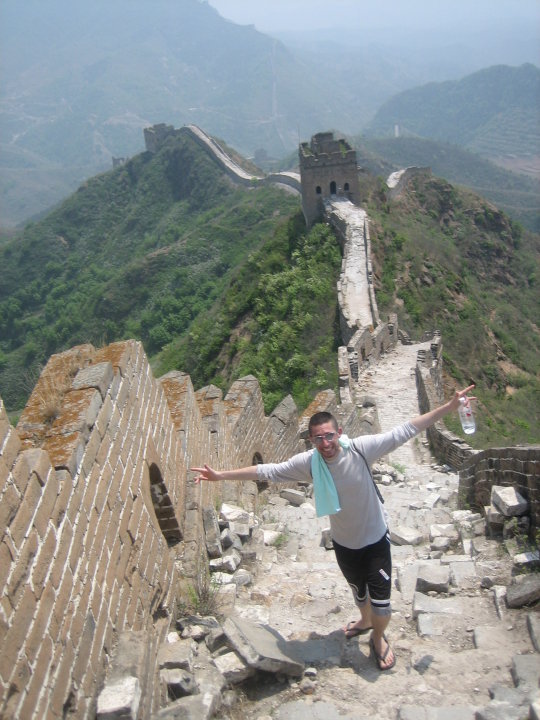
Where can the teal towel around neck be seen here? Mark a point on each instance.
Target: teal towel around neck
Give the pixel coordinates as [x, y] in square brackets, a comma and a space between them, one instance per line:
[324, 489]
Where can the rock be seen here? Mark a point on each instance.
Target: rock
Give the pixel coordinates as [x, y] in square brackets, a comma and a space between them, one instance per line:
[433, 577]
[177, 655]
[447, 530]
[425, 604]
[440, 544]
[527, 560]
[179, 683]
[261, 648]
[119, 699]
[326, 539]
[533, 625]
[526, 671]
[233, 668]
[523, 591]
[403, 535]
[295, 497]
[271, 537]
[233, 513]
[508, 501]
[212, 532]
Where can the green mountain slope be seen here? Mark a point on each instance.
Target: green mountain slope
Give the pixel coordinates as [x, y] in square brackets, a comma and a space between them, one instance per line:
[445, 259]
[493, 112]
[221, 281]
[136, 252]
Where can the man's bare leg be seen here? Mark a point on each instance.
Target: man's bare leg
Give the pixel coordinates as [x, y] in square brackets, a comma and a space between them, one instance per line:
[380, 645]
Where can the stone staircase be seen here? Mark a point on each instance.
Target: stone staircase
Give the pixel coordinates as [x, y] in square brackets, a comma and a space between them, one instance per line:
[462, 653]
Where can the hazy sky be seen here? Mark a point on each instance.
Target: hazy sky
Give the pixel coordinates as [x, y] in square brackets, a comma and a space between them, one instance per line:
[285, 15]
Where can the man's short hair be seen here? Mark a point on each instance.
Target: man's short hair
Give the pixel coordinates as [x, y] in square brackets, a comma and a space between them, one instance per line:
[320, 418]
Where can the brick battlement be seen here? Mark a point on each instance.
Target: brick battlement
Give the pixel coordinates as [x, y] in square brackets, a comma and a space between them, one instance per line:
[100, 517]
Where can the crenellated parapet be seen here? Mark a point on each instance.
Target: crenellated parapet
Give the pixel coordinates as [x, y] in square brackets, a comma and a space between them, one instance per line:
[100, 519]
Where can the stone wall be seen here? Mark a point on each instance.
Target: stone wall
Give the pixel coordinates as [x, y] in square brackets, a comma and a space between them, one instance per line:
[100, 519]
[518, 467]
[446, 446]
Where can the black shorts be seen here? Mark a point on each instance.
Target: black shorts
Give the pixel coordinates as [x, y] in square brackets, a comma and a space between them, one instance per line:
[369, 573]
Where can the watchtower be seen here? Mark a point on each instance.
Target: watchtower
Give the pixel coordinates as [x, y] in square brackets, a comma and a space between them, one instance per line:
[327, 168]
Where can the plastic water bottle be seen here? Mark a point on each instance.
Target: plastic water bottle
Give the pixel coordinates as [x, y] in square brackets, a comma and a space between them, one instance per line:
[466, 416]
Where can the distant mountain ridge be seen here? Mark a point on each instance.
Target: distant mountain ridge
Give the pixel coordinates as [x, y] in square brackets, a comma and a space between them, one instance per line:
[82, 80]
[494, 112]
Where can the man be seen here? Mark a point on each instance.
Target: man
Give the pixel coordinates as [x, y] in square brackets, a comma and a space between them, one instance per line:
[344, 489]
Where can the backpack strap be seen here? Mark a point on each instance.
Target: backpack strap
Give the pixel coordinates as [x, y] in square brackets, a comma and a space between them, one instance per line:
[359, 452]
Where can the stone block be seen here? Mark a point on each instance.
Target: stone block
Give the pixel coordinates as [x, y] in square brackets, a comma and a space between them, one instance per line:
[426, 604]
[119, 700]
[262, 648]
[403, 535]
[295, 497]
[508, 501]
[233, 668]
[523, 591]
[433, 577]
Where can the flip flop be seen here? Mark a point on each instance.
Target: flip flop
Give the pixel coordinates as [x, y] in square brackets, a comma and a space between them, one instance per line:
[351, 631]
[380, 659]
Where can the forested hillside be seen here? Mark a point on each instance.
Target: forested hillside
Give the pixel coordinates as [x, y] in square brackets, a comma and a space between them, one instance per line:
[221, 281]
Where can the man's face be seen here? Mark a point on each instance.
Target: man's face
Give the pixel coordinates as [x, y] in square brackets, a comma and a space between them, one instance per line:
[325, 438]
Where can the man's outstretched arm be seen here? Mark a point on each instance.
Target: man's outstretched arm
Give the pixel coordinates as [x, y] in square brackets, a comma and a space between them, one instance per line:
[211, 475]
[424, 421]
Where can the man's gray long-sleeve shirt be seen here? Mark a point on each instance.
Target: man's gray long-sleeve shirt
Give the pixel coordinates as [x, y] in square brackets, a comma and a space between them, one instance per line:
[361, 520]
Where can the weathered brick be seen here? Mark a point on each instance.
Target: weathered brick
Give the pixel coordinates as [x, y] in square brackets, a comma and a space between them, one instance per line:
[104, 416]
[75, 502]
[66, 451]
[80, 667]
[104, 449]
[112, 568]
[10, 448]
[22, 567]
[6, 558]
[77, 546]
[9, 504]
[19, 681]
[17, 633]
[63, 546]
[45, 508]
[40, 623]
[98, 375]
[92, 447]
[36, 684]
[62, 680]
[44, 561]
[61, 615]
[20, 525]
[105, 487]
[65, 483]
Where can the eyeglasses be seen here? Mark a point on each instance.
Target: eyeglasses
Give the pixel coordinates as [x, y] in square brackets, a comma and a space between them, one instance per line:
[329, 436]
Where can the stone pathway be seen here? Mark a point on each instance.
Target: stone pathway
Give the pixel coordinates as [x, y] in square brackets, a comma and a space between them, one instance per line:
[453, 641]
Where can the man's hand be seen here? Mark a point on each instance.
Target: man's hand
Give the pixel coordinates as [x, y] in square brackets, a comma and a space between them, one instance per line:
[206, 473]
[454, 402]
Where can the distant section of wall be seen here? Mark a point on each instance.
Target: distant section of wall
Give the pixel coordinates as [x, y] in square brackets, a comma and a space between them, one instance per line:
[397, 180]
